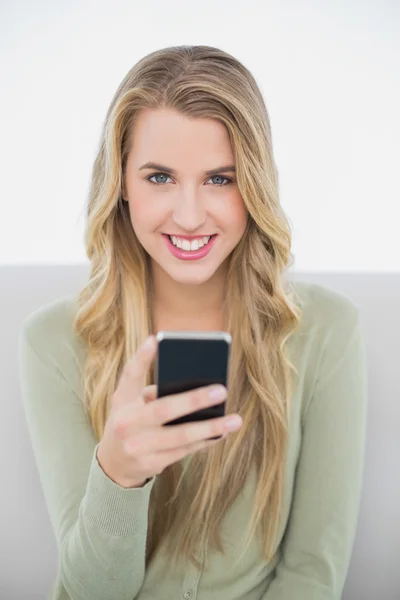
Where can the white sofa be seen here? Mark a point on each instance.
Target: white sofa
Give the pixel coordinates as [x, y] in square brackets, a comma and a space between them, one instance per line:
[27, 545]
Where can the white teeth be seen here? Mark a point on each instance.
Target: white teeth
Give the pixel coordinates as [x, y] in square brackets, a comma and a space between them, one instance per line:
[187, 245]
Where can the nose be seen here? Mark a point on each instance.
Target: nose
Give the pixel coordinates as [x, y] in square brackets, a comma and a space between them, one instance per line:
[189, 213]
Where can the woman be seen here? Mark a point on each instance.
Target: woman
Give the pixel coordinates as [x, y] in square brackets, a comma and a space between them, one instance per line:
[268, 511]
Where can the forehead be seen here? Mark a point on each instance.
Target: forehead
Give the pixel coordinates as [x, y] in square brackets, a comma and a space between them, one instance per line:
[165, 135]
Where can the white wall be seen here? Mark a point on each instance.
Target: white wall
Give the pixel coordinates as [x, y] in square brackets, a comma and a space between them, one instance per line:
[330, 75]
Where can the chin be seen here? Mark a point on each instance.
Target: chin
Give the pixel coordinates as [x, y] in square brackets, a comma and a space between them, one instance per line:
[185, 276]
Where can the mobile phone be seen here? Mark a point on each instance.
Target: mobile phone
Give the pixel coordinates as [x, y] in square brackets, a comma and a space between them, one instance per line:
[191, 359]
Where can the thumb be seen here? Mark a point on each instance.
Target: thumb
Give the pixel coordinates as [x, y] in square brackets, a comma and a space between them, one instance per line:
[134, 375]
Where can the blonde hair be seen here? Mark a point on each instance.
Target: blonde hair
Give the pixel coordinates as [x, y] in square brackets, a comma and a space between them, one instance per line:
[114, 308]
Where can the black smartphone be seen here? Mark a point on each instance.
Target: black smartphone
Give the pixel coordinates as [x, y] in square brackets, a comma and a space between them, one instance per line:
[191, 359]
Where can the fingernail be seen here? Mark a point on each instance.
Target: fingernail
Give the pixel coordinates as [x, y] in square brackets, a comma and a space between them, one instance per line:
[217, 393]
[233, 423]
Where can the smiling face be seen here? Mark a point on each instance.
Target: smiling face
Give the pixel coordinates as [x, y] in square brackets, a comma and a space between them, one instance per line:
[180, 198]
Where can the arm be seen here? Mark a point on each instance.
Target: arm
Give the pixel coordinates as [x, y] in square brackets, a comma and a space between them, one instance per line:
[318, 541]
[100, 527]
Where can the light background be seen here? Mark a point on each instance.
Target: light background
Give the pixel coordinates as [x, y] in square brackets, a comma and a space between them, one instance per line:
[330, 75]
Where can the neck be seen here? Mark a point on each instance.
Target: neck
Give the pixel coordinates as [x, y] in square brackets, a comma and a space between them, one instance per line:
[187, 304]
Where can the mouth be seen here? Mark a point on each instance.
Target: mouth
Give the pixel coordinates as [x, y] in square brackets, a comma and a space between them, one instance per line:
[188, 253]
[190, 239]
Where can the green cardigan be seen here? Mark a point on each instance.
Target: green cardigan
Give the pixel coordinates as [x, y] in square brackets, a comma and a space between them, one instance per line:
[100, 527]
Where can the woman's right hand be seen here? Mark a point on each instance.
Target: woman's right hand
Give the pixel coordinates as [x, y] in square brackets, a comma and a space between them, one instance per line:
[136, 445]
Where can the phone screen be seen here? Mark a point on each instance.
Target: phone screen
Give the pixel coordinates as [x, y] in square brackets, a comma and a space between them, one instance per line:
[185, 363]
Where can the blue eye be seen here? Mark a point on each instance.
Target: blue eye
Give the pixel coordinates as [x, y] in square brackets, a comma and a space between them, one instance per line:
[156, 175]
[149, 178]
[222, 177]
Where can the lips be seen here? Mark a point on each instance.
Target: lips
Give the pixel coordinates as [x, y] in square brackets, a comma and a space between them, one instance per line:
[189, 254]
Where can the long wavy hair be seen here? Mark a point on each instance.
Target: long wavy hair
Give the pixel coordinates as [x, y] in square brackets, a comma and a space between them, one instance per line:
[114, 308]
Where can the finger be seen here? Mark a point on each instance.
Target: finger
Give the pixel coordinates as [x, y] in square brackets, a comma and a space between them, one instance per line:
[134, 373]
[127, 417]
[149, 393]
[175, 454]
[171, 407]
[150, 415]
[214, 441]
[156, 439]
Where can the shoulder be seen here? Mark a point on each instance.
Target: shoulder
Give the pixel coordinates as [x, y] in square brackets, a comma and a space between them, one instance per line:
[323, 309]
[50, 321]
[48, 331]
[330, 321]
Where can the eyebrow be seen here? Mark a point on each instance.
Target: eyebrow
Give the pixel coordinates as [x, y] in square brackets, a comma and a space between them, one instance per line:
[225, 169]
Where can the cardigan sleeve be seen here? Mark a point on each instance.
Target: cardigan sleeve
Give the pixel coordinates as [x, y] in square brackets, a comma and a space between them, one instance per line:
[99, 526]
[318, 540]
